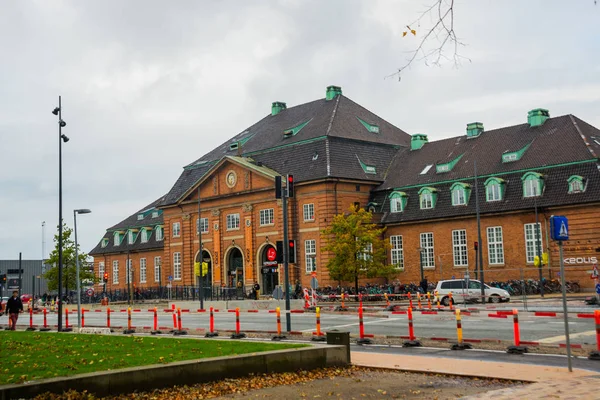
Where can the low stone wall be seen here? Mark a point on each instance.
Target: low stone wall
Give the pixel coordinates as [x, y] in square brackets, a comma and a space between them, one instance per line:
[184, 372]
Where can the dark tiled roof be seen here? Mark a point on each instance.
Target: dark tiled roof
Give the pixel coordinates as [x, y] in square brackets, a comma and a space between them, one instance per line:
[557, 141]
[133, 222]
[336, 119]
[555, 194]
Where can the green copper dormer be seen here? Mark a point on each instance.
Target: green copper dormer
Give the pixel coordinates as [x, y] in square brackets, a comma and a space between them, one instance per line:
[239, 143]
[474, 129]
[104, 242]
[460, 193]
[370, 127]
[294, 131]
[398, 201]
[494, 189]
[427, 197]
[332, 92]
[277, 107]
[369, 169]
[514, 155]
[417, 141]
[537, 117]
[533, 184]
[576, 184]
[447, 167]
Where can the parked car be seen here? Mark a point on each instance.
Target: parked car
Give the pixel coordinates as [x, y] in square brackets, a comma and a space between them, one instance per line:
[25, 298]
[469, 291]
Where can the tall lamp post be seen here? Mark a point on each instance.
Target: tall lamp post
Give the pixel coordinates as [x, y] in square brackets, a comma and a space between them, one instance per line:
[61, 138]
[538, 246]
[75, 212]
[421, 250]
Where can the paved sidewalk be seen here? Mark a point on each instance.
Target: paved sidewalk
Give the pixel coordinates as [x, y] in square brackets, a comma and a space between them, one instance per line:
[547, 382]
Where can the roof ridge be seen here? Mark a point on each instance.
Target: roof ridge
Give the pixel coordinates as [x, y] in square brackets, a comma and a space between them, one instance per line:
[327, 153]
[582, 136]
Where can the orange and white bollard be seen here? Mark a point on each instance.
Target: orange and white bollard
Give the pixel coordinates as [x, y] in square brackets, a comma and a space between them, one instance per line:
[516, 348]
[67, 328]
[155, 331]
[237, 334]
[437, 299]
[31, 328]
[211, 325]
[429, 301]
[361, 329]
[83, 317]
[387, 300]
[412, 340]
[279, 336]
[179, 330]
[450, 301]
[319, 336]
[419, 300]
[129, 327]
[174, 313]
[45, 327]
[410, 303]
[343, 306]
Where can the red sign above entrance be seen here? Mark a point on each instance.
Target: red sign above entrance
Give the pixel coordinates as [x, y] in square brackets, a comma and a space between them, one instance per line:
[271, 254]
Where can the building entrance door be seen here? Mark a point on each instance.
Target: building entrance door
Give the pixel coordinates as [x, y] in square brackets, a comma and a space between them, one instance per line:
[235, 268]
[269, 270]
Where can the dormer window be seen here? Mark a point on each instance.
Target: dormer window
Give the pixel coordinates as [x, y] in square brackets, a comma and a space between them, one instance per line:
[104, 242]
[144, 235]
[234, 146]
[398, 201]
[294, 130]
[427, 197]
[532, 184]
[131, 236]
[159, 233]
[511, 156]
[370, 127]
[117, 239]
[494, 189]
[576, 184]
[154, 214]
[460, 194]
[446, 167]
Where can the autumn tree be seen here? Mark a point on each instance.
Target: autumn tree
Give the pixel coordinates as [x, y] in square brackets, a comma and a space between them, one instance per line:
[69, 265]
[358, 247]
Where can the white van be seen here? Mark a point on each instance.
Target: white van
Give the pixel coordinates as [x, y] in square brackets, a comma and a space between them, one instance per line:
[463, 292]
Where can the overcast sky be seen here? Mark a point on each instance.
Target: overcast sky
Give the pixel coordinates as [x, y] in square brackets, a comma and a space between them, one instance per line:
[150, 86]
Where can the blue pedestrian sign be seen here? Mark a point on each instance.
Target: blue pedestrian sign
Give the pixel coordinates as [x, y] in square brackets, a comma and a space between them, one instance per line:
[559, 228]
[170, 277]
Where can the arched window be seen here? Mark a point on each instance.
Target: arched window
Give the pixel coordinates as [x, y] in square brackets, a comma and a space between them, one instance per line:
[460, 193]
[494, 189]
[398, 201]
[533, 184]
[427, 197]
[576, 184]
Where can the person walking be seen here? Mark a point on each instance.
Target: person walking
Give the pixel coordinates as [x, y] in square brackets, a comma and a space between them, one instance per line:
[14, 306]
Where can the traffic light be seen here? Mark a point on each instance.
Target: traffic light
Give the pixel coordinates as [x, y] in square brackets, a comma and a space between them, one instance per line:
[105, 277]
[290, 185]
[279, 249]
[278, 187]
[476, 245]
[292, 251]
[3, 279]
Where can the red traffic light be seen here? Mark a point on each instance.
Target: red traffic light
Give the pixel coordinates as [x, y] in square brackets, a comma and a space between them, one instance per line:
[476, 245]
[291, 243]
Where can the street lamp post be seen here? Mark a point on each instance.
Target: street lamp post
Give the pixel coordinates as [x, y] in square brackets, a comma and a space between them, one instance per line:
[61, 138]
[538, 246]
[420, 249]
[75, 212]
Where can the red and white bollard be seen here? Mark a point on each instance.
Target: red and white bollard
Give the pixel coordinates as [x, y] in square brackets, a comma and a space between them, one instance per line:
[45, 327]
[211, 332]
[361, 329]
[155, 331]
[31, 328]
[237, 334]
[412, 340]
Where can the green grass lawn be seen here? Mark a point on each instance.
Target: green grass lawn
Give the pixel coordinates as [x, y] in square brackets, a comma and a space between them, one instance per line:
[27, 356]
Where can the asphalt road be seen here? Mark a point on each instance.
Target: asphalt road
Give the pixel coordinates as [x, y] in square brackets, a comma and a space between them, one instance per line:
[548, 330]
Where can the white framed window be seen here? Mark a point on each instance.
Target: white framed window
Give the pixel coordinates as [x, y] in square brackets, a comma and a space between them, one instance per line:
[267, 216]
[310, 254]
[493, 192]
[397, 251]
[426, 200]
[531, 187]
[104, 242]
[396, 204]
[495, 245]
[576, 186]
[154, 214]
[159, 233]
[129, 272]
[157, 261]
[459, 248]
[117, 238]
[533, 233]
[309, 212]
[367, 253]
[101, 270]
[130, 237]
[177, 266]
[233, 221]
[115, 274]
[176, 229]
[140, 217]
[428, 256]
[144, 235]
[458, 197]
[203, 222]
[142, 270]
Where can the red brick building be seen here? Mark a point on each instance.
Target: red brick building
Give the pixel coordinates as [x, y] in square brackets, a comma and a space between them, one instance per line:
[342, 154]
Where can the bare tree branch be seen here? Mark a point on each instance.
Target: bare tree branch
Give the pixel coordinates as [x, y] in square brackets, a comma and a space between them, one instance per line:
[442, 31]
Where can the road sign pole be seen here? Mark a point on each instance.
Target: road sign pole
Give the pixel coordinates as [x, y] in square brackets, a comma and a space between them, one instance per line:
[564, 300]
